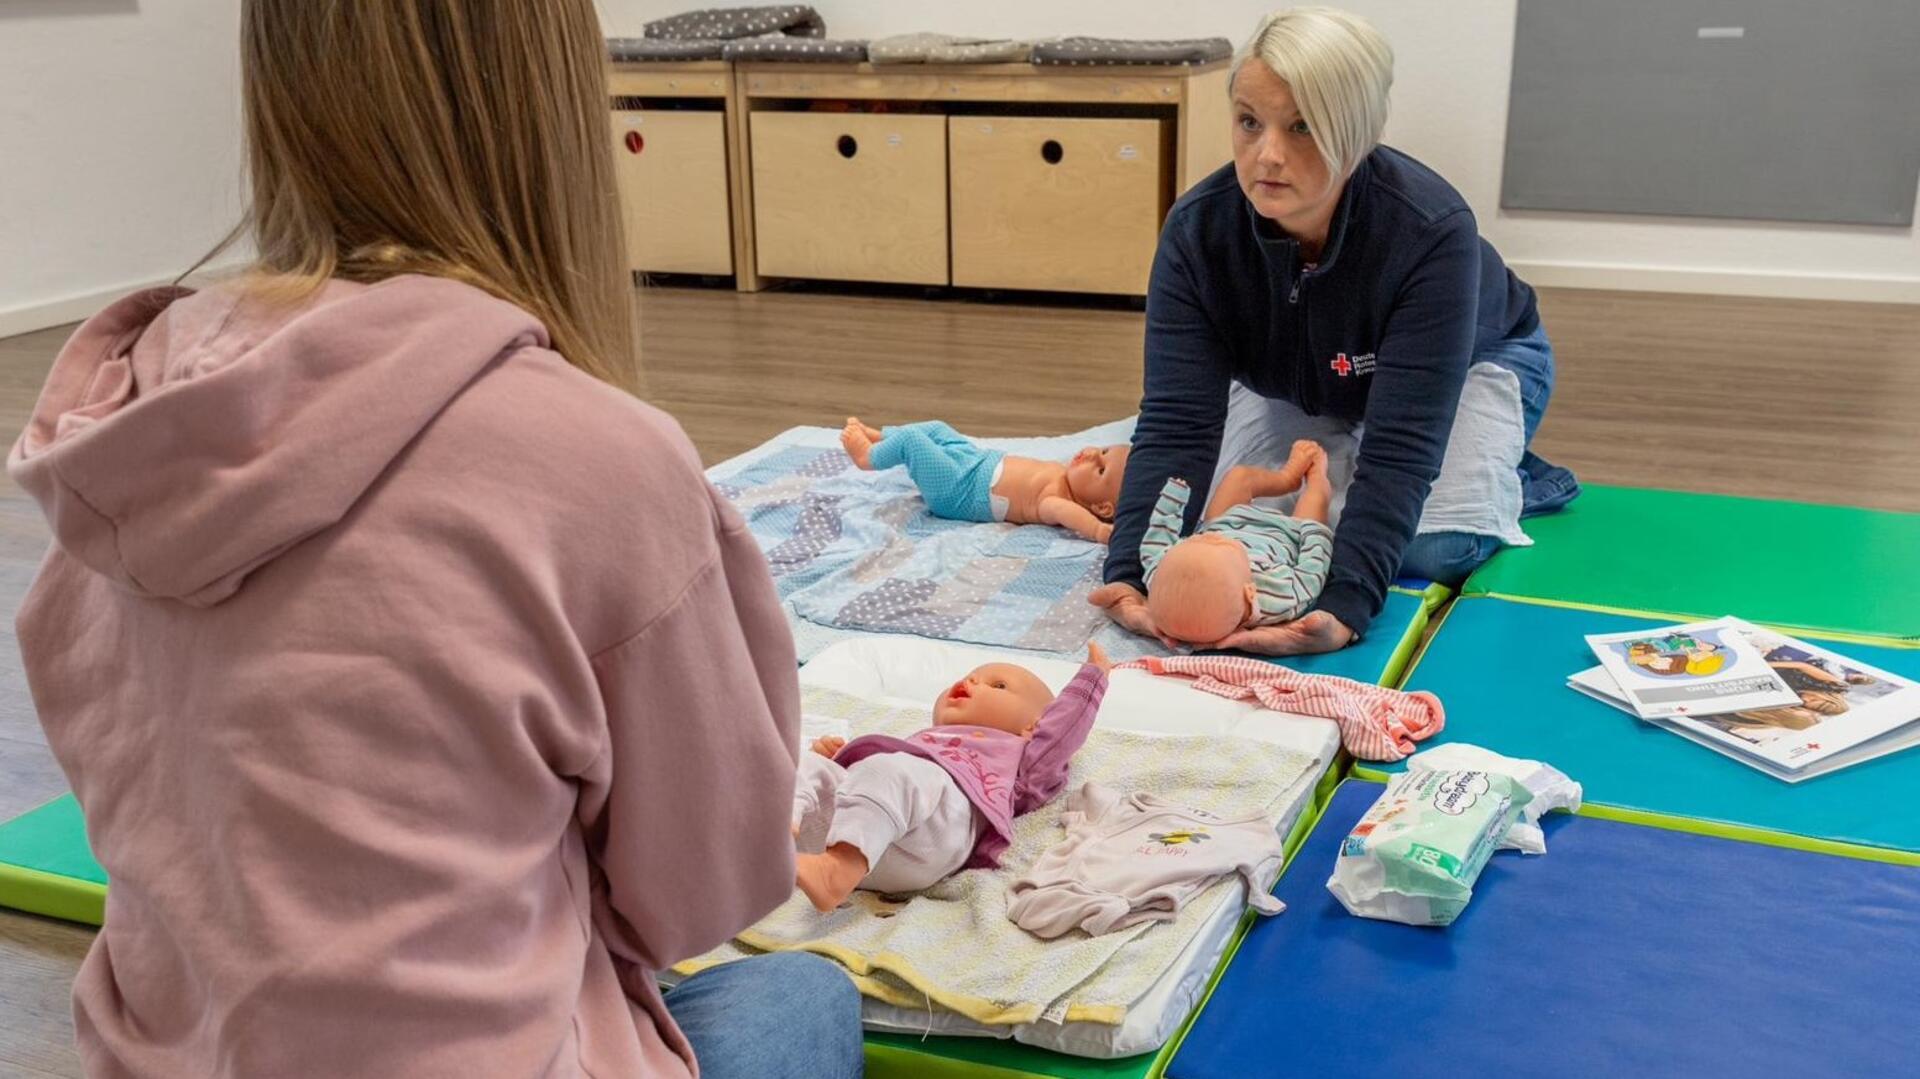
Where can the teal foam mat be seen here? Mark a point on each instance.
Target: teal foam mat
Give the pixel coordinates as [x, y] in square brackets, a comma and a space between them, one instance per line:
[1500, 668]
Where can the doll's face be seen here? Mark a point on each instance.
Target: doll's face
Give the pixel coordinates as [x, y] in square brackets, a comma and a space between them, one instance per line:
[998, 695]
[1202, 589]
[1094, 475]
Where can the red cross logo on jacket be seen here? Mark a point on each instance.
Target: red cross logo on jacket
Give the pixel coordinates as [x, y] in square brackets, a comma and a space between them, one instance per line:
[1340, 365]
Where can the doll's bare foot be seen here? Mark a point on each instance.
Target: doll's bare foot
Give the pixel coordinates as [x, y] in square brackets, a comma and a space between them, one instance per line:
[829, 877]
[858, 443]
[1303, 456]
[1316, 491]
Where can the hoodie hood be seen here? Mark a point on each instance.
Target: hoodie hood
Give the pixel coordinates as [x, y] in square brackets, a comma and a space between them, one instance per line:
[185, 439]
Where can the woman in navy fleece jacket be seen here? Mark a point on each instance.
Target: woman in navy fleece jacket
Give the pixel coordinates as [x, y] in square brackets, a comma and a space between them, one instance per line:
[1323, 277]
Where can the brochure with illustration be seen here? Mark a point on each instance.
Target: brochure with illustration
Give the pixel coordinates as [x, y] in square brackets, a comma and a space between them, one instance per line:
[1700, 668]
[1845, 712]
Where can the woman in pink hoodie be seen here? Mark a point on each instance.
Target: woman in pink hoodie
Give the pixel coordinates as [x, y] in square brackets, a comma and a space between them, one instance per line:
[422, 697]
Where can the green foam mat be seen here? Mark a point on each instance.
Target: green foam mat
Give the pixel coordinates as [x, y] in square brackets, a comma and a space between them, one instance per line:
[46, 866]
[1832, 569]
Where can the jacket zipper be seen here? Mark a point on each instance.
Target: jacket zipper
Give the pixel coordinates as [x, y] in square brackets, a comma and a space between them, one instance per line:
[1298, 317]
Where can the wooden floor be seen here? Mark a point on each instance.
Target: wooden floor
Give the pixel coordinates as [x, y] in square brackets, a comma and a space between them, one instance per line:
[1785, 399]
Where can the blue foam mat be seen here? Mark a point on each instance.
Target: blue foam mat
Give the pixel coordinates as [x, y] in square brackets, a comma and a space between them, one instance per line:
[1501, 667]
[1624, 951]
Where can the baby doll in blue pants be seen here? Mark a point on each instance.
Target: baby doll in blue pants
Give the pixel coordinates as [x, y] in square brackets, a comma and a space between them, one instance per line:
[964, 482]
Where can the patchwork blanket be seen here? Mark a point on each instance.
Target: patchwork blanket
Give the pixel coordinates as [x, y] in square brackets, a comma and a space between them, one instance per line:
[924, 950]
[857, 552]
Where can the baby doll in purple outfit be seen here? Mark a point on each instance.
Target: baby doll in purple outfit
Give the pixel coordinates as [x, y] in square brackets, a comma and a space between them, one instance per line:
[909, 812]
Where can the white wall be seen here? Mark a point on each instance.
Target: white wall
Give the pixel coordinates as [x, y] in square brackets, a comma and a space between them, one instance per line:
[1450, 110]
[120, 145]
[119, 148]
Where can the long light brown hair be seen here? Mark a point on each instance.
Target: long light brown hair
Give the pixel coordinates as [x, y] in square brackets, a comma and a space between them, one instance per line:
[465, 139]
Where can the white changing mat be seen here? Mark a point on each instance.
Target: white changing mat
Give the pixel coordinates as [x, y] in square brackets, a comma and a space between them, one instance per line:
[911, 672]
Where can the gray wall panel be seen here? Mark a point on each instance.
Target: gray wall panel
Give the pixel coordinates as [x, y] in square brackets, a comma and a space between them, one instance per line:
[1810, 113]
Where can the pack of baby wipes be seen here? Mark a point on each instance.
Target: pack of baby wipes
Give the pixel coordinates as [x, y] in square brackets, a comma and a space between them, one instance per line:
[1415, 855]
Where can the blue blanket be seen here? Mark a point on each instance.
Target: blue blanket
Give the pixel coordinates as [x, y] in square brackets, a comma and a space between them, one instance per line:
[857, 552]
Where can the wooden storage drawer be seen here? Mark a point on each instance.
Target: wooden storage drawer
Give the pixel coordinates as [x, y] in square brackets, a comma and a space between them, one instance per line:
[1072, 205]
[849, 196]
[672, 170]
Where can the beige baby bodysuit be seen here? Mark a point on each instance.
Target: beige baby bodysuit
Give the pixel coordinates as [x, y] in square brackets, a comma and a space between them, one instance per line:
[1133, 858]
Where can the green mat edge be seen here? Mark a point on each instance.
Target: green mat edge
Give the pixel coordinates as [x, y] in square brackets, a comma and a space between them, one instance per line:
[1400, 664]
[52, 895]
[1824, 633]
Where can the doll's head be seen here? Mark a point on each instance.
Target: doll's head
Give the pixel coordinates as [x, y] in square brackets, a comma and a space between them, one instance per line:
[999, 695]
[1094, 475]
[1202, 589]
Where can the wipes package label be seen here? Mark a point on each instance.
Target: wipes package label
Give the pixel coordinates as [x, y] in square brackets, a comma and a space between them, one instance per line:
[1414, 856]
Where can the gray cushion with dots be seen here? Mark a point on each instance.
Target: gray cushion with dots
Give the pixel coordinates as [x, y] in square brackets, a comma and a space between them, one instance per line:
[1090, 51]
[947, 49]
[642, 49]
[728, 23]
[797, 49]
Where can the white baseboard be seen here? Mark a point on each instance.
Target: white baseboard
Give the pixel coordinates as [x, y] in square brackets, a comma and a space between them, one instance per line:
[26, 318]
[1630, 278]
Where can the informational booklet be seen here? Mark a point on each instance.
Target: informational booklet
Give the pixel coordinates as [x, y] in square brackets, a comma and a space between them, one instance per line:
[1700, 668]
[1845, 711]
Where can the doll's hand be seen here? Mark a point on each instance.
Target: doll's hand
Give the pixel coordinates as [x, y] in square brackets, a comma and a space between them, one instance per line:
[1316, 631]
[829, 745]
[1097, 657]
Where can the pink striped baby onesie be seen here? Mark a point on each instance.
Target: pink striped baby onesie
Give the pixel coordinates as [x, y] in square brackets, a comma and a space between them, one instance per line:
[1376, 723]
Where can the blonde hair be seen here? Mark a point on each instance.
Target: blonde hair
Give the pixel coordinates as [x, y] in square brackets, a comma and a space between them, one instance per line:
[1340, 71]
[464, 139]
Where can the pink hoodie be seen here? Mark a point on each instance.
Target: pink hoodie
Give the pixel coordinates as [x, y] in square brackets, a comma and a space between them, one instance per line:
[421, 695]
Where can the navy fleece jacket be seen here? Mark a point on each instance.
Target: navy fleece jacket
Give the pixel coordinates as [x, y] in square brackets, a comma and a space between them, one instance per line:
[1382, 330]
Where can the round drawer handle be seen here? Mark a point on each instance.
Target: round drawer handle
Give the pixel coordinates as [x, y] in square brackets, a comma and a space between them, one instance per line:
[635, 143]
[847, 145]
[1050, 151]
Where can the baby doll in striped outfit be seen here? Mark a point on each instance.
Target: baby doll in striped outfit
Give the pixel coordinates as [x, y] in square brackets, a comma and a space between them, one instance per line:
[1247, 565]
[964, 482]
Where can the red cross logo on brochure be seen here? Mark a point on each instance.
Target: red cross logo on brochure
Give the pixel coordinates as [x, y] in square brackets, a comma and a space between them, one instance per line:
[1340, 365]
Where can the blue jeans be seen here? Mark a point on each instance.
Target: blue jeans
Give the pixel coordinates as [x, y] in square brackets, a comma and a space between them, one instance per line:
[1447, 557]
[772, 1016]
